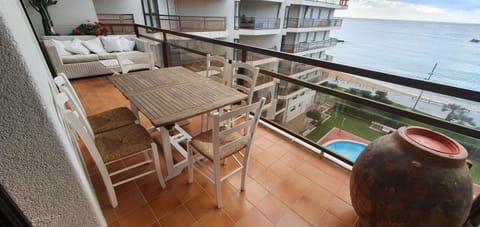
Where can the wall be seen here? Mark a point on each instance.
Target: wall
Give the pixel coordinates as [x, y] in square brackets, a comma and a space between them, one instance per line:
[121, 7]
[38, 166]
[264, 41]
[66, 15]
[259, 9]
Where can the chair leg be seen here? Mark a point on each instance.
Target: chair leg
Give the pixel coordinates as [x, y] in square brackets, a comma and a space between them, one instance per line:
[190, 163]
[245, 168]
[108, 185]
[218, 183]
[156, 162]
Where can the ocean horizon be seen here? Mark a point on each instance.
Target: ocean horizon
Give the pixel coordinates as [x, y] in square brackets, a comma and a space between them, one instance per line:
[411, 48]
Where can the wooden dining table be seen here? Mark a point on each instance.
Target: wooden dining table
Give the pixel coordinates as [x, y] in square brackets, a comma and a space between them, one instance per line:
[169, 95]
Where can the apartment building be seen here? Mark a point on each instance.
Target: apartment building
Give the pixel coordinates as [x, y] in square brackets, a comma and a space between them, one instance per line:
[300, 27]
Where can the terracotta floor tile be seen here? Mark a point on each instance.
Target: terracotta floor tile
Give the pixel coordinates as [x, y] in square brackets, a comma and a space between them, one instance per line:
[236, 179]
[268, 179]
[291, 219]
[262, 142]
[344, 193]
[327, 181]
[276, 151]
[254, 217]
[179, 217]
[114, 224]
[109, 214]
[254, 168]
[255, 150]
[313, 203]
[272, 208]
[156, 224]
[140, 217]
[330, 220]
[309, 171]
[292, 159]
[237, 206]
[164, 203]
[289, 190]
[281, 169]
[201, 205]
[129, 201]
[265, 158]
[227, 190]
[217, 218]
[255, 192]
[342, 210]
[339, 173]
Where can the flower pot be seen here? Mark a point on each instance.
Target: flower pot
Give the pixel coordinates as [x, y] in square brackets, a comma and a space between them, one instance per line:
[412, 177]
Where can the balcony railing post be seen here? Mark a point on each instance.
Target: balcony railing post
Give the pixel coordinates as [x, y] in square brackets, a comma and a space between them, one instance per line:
[164, 50]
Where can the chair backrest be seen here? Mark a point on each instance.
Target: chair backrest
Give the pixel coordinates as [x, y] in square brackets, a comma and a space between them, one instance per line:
[244, 78]
[218, 71]
[134, 61]
[64, 84]
[72, 99]
[75, 122]
[245, 128]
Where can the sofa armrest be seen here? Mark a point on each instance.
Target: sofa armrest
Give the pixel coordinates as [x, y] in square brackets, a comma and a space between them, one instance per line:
[52, 52]
[142, 45]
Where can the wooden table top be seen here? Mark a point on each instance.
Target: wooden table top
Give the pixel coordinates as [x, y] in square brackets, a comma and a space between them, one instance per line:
[169, 95]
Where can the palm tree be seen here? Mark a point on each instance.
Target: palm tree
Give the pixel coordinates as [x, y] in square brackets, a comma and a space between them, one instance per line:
[462, 119]
[455, 111]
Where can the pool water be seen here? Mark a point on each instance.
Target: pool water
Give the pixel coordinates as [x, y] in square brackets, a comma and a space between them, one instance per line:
[348, 149]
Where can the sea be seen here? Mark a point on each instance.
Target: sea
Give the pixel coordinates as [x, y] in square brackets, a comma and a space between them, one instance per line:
[411, 49]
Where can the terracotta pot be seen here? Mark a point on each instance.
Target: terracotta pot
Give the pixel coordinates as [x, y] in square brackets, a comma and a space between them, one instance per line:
[412, 177]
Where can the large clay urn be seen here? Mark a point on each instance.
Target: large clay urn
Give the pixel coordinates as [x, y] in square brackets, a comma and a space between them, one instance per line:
[412, 177]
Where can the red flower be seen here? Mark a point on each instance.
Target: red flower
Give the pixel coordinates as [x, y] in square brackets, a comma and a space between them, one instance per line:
[96, 22]
[76, 31]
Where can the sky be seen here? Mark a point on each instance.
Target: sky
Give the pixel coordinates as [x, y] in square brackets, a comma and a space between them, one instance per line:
[463, 11]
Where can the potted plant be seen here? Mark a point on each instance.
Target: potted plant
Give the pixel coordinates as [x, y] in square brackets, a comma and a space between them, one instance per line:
[41, 7]
[90, 28]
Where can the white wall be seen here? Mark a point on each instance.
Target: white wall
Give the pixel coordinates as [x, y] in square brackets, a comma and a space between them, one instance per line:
[121, 7]
[66, 15]
[38, 166]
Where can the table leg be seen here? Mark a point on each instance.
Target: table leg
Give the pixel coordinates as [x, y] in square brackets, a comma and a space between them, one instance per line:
[167, 151]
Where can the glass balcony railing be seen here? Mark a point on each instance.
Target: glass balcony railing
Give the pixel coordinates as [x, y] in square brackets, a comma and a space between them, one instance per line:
[192, 23]
[313, 23]
[334, 2]
[257, 23]
[361, 103]
[305, 46]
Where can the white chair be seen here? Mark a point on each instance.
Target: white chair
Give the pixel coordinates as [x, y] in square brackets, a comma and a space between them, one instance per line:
[222, 142]
[101, 122]
[113, 146]
[135, 61]
[217, 72]
[244, 79]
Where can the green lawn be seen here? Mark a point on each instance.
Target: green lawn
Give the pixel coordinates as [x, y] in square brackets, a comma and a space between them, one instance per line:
[475, 171]
[351, 124]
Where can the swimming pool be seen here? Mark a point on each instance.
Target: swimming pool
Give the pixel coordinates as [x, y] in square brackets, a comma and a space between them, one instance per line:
[348, 149]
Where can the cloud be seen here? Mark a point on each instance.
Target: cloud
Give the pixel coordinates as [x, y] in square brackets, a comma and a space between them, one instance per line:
[455, 5]
[407, 10]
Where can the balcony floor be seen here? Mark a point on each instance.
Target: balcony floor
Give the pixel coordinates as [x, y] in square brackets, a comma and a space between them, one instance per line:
[286, 185]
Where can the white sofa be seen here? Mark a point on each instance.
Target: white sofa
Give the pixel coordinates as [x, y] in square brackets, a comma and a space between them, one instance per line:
[84, 65]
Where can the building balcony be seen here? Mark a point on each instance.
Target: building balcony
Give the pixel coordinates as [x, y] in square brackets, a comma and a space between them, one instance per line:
[257, 25]
[285, 183]
[287, 68]
[192, 23]
[301, 47]
[313, 23]
[336, 4]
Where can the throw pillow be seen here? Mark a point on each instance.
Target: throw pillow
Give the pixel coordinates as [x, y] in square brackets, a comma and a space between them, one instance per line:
[112, 44]
[76, 47]
[60, 46]
[127, 45]
[94, 45]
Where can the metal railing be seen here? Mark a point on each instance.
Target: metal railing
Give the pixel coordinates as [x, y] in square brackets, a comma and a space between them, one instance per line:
[313, 23]
[300, 47]
[257, 23]
[192, 23]
[334, 2]
[118, 24]
[168, 39]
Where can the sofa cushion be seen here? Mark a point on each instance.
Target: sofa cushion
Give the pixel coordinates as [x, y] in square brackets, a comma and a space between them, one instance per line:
[112, 44]
[79, 58]
[76, 47]
[106, 56]
[127, 45]
[60, 45]
[94, 45]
